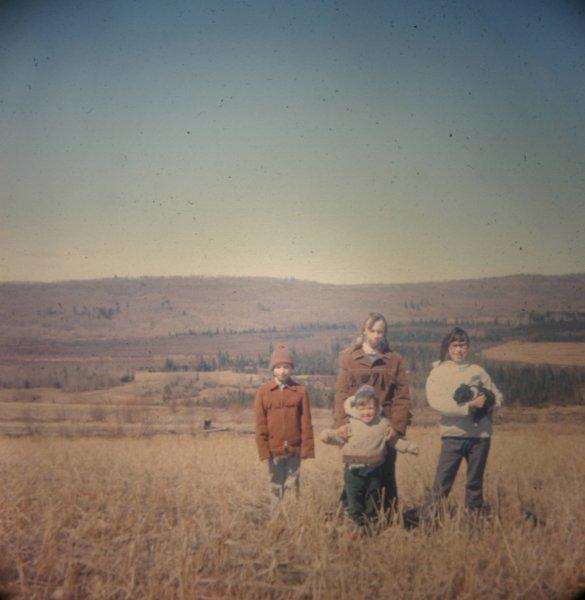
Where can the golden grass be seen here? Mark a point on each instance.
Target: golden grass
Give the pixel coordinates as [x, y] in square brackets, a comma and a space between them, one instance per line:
[186, 517]
[153, 403]
[553, 353]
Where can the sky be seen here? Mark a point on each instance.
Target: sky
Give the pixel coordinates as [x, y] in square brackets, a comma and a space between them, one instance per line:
[340, 142]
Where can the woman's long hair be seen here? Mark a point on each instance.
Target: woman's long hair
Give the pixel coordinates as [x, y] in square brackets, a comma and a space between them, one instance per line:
[455, 335]
[368, 323]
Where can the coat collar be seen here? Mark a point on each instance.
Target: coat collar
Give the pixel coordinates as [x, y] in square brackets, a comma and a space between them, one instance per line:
[362, 358]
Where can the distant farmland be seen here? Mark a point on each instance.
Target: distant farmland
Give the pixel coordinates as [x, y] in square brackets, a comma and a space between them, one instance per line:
[552, 353]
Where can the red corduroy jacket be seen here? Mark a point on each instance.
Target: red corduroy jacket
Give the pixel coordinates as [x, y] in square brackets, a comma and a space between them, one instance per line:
[283, 421]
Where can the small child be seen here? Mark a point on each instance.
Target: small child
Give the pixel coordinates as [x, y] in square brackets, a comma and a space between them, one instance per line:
[363, 454]
[284, 433]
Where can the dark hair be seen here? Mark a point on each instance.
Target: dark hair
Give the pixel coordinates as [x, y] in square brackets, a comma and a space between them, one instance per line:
[455, 335]
[368, 323]
[364, 393]
[366, 399]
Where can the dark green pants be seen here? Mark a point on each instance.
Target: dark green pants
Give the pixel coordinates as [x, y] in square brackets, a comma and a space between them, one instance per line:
[389, 479]
[364, 490]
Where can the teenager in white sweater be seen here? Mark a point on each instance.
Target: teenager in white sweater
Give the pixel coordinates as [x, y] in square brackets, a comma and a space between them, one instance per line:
[464, 435]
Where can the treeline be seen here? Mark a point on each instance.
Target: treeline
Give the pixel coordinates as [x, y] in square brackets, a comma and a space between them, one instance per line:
[298, 330]
[534, 328]
[69, 379]
[93, 312]
[318, 362]
[523, 385]
[223, 331]
[538, 385]
[320, 398]
[222, 361]
[552, 331]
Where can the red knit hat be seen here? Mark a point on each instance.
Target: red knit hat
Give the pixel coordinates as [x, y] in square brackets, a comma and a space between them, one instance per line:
[281, 355]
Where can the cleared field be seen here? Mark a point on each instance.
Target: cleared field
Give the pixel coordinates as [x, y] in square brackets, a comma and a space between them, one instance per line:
[179, 402]
[183, 517]
[153, 403]
[553, 353]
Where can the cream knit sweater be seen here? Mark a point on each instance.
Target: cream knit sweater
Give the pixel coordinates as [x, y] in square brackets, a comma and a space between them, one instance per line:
[444, 379]
[366, 441]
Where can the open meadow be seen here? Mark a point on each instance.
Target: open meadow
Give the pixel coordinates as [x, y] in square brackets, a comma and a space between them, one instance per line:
[538, 353]
[111, 488]
[186, 517]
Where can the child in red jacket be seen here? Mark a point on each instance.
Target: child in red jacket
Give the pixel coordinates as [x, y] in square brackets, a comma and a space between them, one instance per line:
[284, 432]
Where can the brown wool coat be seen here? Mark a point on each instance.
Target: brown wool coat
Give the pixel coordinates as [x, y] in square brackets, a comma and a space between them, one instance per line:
[283, 416]
[387, 375]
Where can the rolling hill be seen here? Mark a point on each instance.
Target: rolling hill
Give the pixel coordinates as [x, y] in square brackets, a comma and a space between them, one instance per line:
[165, 306]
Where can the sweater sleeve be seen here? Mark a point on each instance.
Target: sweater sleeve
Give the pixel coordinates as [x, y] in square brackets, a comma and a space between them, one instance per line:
[440, 389]
[307, 439]
[490, 385]
[261, 428]
[328, 436]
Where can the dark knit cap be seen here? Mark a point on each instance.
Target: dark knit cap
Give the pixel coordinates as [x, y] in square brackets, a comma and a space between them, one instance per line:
[365, 391]
[281, 355]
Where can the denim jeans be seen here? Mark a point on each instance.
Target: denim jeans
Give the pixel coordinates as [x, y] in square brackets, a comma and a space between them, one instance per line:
[453, 450]
[283, 473]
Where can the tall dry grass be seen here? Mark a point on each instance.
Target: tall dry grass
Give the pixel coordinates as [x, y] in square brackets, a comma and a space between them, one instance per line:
[186, 517]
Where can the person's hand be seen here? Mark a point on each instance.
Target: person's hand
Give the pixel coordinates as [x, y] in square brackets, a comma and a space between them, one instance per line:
[477, 402]
[392, 436]
[343, 431]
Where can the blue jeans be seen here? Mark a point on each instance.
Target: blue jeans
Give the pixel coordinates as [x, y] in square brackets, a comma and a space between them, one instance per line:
[453, 450]
[283, 474]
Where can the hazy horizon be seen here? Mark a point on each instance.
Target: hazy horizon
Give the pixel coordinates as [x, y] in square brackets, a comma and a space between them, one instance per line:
[344, 143]
[301, 280]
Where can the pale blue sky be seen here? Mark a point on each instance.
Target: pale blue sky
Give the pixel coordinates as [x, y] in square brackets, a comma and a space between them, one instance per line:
[342, 142]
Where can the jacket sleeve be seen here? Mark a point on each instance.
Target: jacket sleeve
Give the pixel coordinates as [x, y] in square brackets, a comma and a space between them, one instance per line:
[307, 439]
[440, 395]
[341, 392]
[261, 428]
[398, 406]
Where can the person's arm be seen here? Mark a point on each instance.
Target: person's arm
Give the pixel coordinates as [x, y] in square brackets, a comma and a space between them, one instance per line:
[341, 392]
[440, 395]
[307, 439]
[261, 428]
[398, 407]
[490, 385]
[329, 436]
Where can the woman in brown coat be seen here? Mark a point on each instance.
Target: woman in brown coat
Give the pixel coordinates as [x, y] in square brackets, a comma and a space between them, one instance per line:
[369, 360]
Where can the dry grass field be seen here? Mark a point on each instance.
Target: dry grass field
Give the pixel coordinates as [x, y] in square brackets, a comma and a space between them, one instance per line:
[153, 403]
[186, 517]
[552, 353]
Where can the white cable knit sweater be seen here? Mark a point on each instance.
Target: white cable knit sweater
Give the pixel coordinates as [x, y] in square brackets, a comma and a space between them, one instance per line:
[442, 382]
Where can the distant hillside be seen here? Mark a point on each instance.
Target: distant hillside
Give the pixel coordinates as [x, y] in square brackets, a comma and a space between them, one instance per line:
[159, 306]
